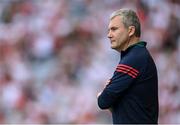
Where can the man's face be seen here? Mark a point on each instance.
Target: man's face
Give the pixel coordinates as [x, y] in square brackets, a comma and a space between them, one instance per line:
[118, 34]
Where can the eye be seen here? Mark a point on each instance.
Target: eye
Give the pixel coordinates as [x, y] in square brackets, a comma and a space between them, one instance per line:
[114, 28]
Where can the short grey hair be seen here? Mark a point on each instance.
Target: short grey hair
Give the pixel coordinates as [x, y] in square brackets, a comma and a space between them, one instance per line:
[129, 18]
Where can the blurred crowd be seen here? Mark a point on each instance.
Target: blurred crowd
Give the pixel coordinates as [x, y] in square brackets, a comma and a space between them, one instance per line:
[55, 57]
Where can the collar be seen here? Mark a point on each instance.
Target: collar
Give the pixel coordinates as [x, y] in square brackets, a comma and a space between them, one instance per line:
[140, 44]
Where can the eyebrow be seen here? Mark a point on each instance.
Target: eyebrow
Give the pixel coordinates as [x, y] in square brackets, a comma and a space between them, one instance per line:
[113, 27]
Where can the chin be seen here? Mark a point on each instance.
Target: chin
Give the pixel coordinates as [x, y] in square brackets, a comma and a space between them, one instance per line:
[113, 47]
[116, 48]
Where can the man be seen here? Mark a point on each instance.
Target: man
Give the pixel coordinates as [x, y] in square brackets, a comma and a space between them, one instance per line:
[132, 93]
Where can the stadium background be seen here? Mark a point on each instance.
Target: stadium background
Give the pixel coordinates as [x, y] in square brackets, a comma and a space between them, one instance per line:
[55, 57]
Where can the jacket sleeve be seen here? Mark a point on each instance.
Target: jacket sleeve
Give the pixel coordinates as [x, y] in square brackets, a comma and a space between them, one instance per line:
[124, 75]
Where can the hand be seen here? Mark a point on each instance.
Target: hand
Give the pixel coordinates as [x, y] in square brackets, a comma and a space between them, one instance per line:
[107, 83]
[110, 109]
[99, 94]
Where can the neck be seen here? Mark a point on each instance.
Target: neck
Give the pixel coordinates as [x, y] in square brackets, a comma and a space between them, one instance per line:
[131, 41]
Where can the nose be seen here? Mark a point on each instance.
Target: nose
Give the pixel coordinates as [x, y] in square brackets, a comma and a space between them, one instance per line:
[109, 35]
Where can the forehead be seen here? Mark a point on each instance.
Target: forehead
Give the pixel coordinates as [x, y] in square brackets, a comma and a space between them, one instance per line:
[115, 21]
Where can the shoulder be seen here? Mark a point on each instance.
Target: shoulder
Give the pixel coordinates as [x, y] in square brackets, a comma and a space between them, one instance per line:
[136, 57]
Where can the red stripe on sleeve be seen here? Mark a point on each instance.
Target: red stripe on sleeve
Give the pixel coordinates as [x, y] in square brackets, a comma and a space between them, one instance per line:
[119, 70]
[128, 67]
[128, 70]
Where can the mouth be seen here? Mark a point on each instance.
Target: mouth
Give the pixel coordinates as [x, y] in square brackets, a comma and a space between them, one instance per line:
[112, 41]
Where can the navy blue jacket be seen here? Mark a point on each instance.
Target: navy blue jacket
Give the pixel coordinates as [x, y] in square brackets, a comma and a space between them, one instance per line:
[132, 94]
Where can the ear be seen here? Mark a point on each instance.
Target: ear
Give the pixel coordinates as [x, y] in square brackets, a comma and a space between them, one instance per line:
[131, 30]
